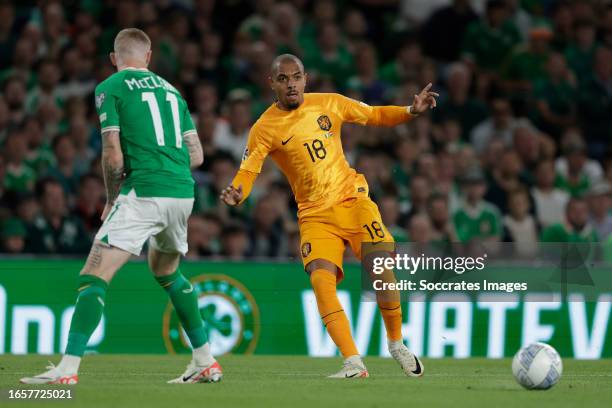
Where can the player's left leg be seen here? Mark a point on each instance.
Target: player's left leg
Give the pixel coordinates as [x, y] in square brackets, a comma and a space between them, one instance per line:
[369, 228]
[165, 249]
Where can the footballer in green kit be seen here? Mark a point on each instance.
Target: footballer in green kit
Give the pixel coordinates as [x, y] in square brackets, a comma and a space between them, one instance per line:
[149, 144]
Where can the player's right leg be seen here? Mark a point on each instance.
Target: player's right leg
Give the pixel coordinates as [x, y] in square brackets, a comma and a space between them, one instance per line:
[165, 250]
[203, 366]
[101, 265]
[322, 252]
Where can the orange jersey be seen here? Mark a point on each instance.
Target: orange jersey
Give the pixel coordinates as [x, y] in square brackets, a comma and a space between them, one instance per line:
[305, 144]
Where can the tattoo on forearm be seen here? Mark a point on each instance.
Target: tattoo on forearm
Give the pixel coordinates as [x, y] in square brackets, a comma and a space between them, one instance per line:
[112, 165]
[194, 147]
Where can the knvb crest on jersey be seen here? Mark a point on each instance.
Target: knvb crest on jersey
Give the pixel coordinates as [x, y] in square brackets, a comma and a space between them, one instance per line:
[324, 122]
[229, 311]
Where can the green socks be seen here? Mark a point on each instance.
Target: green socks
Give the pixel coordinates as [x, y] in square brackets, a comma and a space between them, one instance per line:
[185, 302]
[87, 313]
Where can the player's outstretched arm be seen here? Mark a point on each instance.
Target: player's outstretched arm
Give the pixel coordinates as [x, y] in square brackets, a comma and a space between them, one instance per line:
[196, 154]
[112, 168]
[388, 116]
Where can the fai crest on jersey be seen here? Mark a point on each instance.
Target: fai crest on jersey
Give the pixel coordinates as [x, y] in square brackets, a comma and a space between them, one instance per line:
[100, 100]
[245, 154]
[324, 122]
[306, 248]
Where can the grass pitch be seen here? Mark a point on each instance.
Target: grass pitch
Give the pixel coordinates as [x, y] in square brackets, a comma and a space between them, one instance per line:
[296, 382]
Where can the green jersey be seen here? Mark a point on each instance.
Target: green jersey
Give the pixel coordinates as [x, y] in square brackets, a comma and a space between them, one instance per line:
[477, 223]
[152, 118]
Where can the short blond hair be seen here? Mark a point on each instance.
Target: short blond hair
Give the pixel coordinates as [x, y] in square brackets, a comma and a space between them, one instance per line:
[132, 43]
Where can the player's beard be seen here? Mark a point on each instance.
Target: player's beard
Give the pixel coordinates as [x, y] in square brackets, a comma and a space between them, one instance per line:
[292, 105]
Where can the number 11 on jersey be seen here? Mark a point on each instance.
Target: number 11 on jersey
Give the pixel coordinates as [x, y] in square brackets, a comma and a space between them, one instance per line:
[149, 98]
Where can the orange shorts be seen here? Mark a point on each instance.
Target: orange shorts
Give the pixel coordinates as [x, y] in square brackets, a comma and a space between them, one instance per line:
[324, 234]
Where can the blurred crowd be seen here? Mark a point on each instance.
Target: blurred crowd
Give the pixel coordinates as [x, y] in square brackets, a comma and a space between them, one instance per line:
[518, 148]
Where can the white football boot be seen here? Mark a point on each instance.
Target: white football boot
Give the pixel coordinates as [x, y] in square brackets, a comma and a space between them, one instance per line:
[353, 367]
[199, 374]
[53, 376]
[410, 363]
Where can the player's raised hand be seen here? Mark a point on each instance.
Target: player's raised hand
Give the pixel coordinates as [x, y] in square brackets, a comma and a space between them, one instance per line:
[232, 196]
[424, 100]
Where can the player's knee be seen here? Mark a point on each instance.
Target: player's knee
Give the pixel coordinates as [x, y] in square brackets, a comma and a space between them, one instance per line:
[321, 264]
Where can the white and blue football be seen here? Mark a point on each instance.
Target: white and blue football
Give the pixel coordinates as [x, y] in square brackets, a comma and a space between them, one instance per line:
[537, 366]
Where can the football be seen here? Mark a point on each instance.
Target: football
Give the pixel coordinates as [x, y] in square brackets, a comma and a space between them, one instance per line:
[537, 366]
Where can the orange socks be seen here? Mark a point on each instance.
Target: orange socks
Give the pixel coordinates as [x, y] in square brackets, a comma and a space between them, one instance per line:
[392, 316]
[332, 314]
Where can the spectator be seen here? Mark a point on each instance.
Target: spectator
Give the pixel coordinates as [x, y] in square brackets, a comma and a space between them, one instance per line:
[444, 30]
[286, 25]
[576, 172]
[595, 103]
[47, 90]
[79, 134]
[18, 176]
[12, 236]
[203, 232]
[555, 97]
[330, 57]
[27, 207]
[459, 105]
[527, 142]
[55, 230]
[266, 234]
[520, 227]
[389, 207]
[405, 67]
[598, 199]
[234, 242]
[528, 64]
[580, 53]
[575, 228]
[476, 220]
[65, 171]
[501, 126]
[90, 202]
[366, 82]
[419, 230]
[487, 43]
[420, 190]
[14, 91]
[443, 232]
[505, 178]
[232, 135]
[549, 201]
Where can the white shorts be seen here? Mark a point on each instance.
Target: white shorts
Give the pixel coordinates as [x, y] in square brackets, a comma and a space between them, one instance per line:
[134, 220]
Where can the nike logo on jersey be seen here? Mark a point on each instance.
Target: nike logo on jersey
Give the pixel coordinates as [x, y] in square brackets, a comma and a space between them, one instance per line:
[189, 289]
[284, 142]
